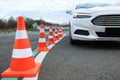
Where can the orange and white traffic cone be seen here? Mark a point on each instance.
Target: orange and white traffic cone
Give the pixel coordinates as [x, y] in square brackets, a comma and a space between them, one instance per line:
[56, 36]
[42, 40]
[51, 38]
[22, 62]
[60, 32]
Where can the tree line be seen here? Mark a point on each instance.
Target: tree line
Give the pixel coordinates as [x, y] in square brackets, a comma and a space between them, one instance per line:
[11, 23]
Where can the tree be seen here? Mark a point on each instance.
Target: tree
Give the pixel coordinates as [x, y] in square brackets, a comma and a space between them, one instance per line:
[2, 24]
[29, 22]
[11, 23]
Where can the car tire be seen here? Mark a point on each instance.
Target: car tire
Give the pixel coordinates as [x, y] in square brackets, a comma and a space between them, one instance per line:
[73, 42]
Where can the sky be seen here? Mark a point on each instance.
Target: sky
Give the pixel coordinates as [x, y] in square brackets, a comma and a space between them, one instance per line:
[40, 8]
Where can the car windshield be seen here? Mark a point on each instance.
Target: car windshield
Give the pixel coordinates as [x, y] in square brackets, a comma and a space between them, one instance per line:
[88, 5]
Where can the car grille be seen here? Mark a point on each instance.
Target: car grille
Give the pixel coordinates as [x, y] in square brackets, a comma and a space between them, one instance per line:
[107, 20]
[109, 32]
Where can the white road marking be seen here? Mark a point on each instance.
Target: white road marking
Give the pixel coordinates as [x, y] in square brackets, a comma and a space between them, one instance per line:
[40, 59]
[32, 78]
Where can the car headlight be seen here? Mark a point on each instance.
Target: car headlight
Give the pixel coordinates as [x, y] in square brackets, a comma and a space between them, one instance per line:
[76, 15]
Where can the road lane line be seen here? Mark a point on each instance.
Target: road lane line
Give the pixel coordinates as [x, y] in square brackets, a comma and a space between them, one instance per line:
[40, 59]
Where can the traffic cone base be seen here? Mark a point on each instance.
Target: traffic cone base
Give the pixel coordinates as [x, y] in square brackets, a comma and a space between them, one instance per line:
[42, 47]
[37, 49]
[56, 38]
[27, 73]
[51, 41]
[61, 35]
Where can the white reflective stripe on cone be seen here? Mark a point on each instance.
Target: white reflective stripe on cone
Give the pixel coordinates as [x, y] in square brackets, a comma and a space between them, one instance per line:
[42, 30]
[42, 40]
[21, 34]
[56, 30]
[50, 36]
[56, 34]
[22, 53]
[50, 30]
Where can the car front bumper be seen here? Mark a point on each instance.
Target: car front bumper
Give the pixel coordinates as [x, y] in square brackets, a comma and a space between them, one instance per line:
[86, 25]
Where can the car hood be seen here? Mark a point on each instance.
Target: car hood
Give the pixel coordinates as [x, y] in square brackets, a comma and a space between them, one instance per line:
[98, 9]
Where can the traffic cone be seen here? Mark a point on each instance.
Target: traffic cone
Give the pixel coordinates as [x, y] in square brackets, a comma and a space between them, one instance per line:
[56, 36]
[60, 32]
[42, 40]
[22, 62]
[50, 38]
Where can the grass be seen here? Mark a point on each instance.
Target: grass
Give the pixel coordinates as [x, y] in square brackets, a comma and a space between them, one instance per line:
[7, 30]
[65, 29]
[13, 30]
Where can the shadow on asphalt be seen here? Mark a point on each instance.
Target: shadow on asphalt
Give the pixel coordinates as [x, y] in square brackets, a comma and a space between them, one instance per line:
[98, 44]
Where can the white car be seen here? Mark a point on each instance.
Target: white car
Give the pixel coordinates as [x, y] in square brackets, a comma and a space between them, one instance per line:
[95, 22]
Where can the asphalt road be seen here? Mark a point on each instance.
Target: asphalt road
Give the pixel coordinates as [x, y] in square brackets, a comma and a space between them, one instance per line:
[90, 61]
